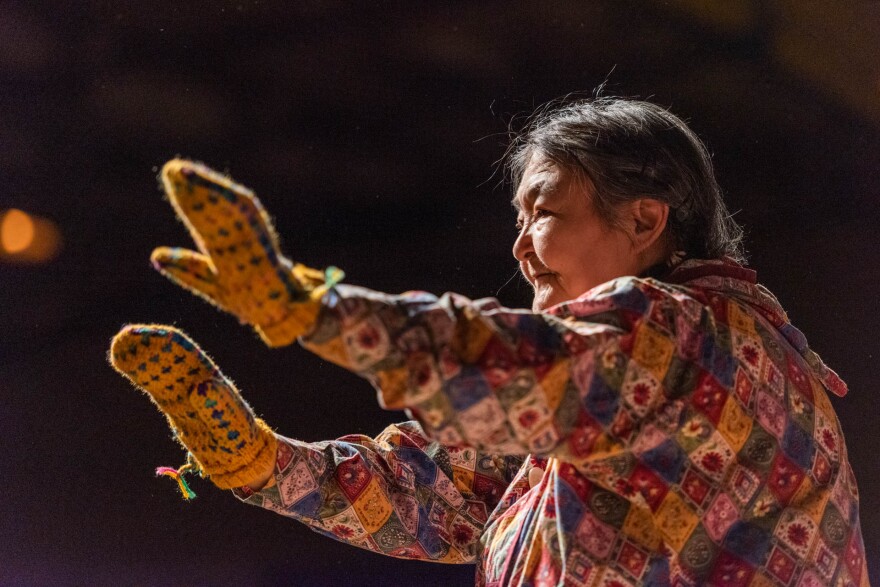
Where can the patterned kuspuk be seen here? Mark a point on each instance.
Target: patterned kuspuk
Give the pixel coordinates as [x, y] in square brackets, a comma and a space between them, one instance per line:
[649, 432]
[683, 427]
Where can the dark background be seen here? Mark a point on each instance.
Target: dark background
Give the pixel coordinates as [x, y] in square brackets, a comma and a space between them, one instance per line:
[370, 133]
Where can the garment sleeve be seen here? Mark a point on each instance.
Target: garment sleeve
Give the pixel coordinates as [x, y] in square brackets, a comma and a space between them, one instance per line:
[399, 494]
[569, 383]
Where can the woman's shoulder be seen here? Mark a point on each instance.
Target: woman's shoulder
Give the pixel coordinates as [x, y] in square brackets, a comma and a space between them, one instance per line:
[636, 295]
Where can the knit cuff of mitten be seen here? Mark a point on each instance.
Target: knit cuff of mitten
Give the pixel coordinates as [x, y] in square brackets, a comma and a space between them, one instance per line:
[302, 315]
[249, 467]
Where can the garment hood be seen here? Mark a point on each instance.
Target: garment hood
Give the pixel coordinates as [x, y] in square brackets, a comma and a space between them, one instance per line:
[733, 280]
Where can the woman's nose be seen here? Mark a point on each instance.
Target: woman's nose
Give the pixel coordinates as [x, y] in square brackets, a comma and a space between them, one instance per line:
[522, 246]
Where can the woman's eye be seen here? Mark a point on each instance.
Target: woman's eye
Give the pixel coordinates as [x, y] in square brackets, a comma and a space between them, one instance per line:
[538, 213]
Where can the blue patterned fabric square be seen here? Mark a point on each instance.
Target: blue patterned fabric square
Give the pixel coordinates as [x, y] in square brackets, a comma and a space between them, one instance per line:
[467, 388]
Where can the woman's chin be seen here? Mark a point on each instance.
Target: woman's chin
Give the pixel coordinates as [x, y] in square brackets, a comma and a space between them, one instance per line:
[546, 297]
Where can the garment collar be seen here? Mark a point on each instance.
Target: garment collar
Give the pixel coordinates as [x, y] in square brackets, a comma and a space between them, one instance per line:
[731, 279]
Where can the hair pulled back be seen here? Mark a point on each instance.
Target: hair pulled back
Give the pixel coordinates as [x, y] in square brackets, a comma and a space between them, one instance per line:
[630, 149]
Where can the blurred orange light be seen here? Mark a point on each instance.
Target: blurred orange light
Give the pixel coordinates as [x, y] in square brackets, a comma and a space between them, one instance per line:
[16, 231]
[27, 238]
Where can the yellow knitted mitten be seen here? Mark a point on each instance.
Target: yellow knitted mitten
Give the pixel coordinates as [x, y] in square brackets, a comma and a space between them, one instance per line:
[239, 267]
[203, 407]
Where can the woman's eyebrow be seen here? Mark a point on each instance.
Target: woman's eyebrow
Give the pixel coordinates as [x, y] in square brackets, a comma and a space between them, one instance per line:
[530, 194]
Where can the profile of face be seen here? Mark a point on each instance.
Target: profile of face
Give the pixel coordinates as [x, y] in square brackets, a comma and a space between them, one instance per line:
[564, 247]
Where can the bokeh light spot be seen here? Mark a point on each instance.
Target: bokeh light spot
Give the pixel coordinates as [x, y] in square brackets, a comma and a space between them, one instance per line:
[16, 231]
[27, 238]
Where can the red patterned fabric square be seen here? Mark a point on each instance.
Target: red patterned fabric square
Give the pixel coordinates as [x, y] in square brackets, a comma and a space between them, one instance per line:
[731, 571]
[695, 487]
[743, 387]
[352, 477]
[797, 376]
[580, 484]
[808, 579]
[284, 456]
[575, 343]
[709, 397]
[651, 486]
[661, 317]
[821, 469]
[622, 426]
[781, 565]
[498, 363]
[584, 435]
[487, 487]
[785, 478]
[540, 360]
[632, 559]
[854, 557]
[547, 573]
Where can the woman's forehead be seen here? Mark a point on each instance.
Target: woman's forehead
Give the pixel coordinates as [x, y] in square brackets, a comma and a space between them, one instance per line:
[537, 166]
[538, 162]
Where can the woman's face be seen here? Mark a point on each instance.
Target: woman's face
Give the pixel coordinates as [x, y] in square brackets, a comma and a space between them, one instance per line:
[564, 248]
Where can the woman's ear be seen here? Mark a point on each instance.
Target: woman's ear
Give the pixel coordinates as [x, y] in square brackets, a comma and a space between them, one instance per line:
[648, 219]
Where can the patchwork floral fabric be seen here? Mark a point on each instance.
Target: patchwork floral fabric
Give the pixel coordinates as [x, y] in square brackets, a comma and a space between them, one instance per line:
[399, 494]
[683, 429]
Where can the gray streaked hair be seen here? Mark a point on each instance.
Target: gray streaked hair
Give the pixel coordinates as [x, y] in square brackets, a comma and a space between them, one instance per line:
[630, 149]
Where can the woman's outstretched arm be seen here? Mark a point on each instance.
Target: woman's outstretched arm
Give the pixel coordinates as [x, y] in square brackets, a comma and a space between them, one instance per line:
[566, 383]
[399, 494]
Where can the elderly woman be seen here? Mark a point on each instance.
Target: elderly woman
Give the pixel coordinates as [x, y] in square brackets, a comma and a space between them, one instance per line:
[654, 419]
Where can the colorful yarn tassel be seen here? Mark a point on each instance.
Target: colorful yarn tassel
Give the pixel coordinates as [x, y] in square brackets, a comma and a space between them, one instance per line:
[332, 276]
[177, 475]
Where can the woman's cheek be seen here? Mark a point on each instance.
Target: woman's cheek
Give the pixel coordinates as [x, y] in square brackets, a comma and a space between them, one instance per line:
[542, 245]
